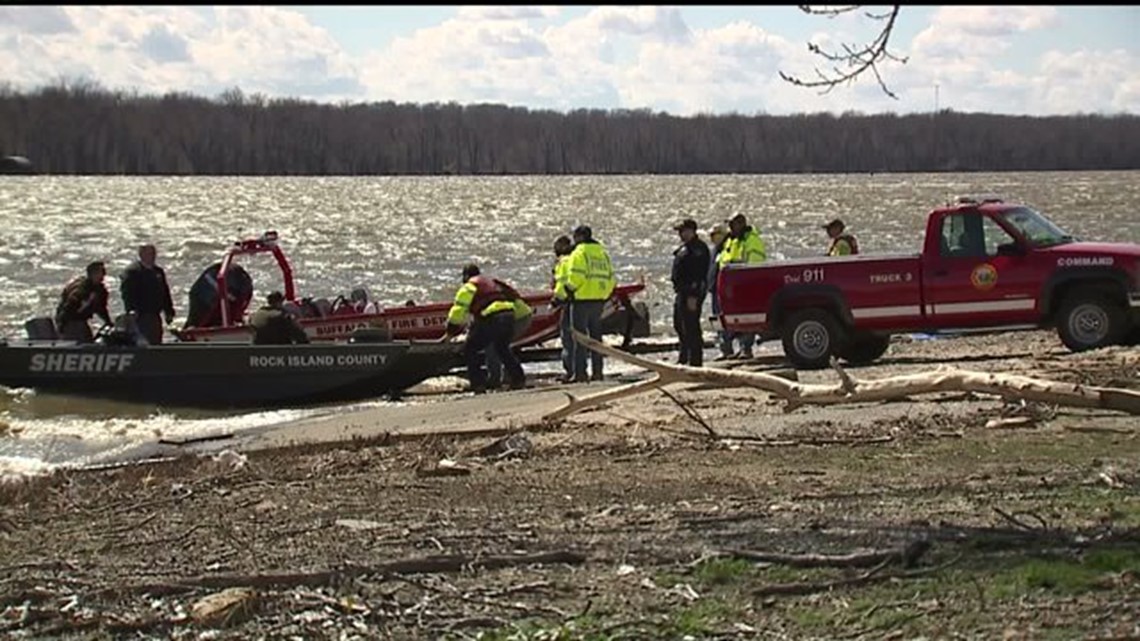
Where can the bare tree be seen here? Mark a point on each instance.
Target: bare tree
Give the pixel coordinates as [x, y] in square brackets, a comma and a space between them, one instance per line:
[854, 58]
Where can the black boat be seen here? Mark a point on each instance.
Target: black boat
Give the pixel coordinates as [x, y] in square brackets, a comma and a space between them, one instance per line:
[223, 375]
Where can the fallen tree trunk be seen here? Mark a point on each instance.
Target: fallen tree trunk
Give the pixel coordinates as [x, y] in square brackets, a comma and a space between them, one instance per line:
[851, 390]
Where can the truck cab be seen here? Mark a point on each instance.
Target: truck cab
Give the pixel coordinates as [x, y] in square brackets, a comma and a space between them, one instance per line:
[985, 263]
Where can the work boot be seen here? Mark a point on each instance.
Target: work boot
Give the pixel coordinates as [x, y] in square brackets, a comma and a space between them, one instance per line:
[520, 384]
[747, 354]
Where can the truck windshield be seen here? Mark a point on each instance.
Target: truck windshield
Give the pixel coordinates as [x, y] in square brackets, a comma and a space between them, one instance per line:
[1037, 229]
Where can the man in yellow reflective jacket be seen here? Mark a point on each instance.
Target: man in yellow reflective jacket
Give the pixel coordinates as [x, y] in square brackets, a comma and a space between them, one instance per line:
[744, 245]
[490, 306]
[559, 274]
[589, 282]
[842, 243]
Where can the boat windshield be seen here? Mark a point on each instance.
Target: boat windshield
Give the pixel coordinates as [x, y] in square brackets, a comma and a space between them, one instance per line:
[1037, 229]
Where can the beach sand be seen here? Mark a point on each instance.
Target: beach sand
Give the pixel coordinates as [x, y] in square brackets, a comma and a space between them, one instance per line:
[451, 516]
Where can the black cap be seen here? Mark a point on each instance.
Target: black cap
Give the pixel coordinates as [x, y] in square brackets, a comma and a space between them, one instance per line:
[688, 223]
[470, 270]
[275, 297]
[584, 231]
[739, 218]
[835, 223]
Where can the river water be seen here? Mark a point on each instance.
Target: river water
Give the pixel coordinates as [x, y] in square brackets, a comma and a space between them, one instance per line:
[407, 237]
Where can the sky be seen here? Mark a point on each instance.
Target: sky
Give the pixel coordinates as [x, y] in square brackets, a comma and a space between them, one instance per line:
[1030, 60]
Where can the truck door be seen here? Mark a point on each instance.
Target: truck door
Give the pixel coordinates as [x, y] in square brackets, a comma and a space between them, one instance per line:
[973, 283]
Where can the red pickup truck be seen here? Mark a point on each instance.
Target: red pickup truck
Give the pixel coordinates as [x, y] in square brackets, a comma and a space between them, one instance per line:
[985, 264]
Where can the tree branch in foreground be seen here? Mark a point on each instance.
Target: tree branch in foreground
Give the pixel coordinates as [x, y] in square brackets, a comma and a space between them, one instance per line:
[857, 60]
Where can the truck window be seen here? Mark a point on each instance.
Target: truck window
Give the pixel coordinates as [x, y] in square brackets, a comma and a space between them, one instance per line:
[995, 236]
[962, 236]
[972, 235]
[1037, 229]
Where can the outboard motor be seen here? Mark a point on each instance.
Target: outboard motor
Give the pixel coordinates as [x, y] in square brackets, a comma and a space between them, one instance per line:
[204, 308]
[41, 328]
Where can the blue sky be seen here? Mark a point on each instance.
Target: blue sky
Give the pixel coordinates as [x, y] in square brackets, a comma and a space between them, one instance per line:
[682, 59]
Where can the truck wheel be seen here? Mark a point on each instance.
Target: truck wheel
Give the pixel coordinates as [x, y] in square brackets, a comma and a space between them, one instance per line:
[864, 347]
[1090, 321]
[810, 337]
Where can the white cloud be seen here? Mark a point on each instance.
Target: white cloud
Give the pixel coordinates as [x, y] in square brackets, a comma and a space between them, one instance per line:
[35, 20]
[609, 57]
[178, 48]
[1088, 81]
[506, 12]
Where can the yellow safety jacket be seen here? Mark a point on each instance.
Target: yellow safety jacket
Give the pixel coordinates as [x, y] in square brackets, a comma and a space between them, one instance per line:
[479, 297]
[561, 275]
[591, 275]
[749, 248]
[844, 245]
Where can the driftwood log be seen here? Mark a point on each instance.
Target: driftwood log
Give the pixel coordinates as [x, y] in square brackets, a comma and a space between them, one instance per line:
[850, 390]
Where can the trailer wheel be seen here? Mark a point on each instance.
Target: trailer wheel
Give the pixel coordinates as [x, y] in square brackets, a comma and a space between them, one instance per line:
[864, 347]
[1089, 321]
[810, 337]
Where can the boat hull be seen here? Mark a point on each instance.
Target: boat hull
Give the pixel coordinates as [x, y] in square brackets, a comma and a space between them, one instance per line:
[414, 322]
[224, 376]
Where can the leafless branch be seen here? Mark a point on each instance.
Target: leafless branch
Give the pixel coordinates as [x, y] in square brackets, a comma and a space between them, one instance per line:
[857, 59]
[830, 12]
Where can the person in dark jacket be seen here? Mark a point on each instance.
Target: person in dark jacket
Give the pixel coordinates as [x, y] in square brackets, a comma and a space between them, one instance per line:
[85, 296]
[146, 294]
[272, 325]
[690, 274]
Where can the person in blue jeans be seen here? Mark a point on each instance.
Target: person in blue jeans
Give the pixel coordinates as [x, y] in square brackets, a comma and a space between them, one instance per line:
[559, 272]
[725, 338]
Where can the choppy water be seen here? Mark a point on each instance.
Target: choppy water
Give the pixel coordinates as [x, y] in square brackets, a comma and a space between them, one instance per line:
[406, 238]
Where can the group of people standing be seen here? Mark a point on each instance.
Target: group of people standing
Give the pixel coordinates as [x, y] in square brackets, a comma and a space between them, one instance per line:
[494, 314]
[145, 294]
[695, 269]
[490, 309]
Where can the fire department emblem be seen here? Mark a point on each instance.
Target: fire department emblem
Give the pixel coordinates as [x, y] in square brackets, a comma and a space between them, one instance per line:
[984, 277]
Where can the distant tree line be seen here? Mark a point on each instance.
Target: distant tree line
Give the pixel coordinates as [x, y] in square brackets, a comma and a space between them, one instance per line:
[81, 128]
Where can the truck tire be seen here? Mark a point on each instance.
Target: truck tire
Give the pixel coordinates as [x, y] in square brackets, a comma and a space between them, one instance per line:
[810, 337]
[864, 347]
[1089, 321]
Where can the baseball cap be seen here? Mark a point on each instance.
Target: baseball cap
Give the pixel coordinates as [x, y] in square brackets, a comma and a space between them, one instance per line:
[835, 223]
[687, 223]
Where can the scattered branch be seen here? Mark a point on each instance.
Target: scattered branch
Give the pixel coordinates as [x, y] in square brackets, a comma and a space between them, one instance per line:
[425, 565]
[872, 576]
[796, 394]
[693, 414]
[908, 556]
[857, 59]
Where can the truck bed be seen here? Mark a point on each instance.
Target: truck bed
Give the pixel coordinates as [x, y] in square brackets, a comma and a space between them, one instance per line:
[880, 291]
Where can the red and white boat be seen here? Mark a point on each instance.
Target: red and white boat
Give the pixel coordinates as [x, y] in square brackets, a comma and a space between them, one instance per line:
[338, 320]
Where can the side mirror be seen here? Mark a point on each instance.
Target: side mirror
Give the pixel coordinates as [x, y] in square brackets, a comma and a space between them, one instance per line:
[1010, 249]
